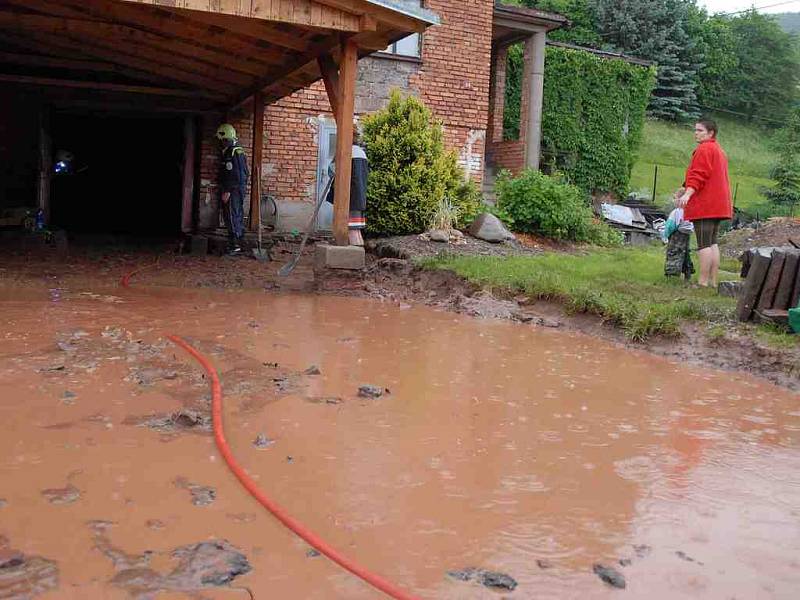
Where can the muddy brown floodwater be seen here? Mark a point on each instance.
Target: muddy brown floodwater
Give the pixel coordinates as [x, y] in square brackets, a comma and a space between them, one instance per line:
[534, 453]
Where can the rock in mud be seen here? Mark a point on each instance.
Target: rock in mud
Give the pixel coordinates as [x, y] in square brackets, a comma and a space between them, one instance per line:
[312, 370]
[324, 400]
[66, 495]
[207, 564]
[23, 577]
[490, 579]
[370, 391]
[150, 375]
[642, 550]
[544, 564]
[610, 575]
[730, 289]
[262, 441]
[68, 395]
[183, 420]
[312, 553]
[202, 495]
[625, 562]
[683, 556]
[3, 502]
[439, 235]
[489, 228]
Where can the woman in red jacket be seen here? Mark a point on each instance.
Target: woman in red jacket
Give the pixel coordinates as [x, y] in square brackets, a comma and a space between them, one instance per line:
[707, 197]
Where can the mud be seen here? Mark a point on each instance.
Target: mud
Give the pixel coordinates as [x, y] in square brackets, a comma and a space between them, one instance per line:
[503, 446]
[23, 577]
[196, 567]
[400, 282]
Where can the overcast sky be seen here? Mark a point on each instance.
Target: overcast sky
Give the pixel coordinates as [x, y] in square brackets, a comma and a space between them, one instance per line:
[715, 6]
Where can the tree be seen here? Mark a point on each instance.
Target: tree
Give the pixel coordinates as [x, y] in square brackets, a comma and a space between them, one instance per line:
[786, 172]
[764, 82]
[657, 30]
[718, 41]
[582, 31]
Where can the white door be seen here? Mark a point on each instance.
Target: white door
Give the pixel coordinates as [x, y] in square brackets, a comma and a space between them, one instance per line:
[327, 152]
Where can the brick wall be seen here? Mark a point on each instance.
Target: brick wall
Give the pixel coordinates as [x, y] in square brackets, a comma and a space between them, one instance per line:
[508, 155]
[452, 79]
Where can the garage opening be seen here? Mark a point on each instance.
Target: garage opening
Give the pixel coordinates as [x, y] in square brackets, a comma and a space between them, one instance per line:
[117, 174]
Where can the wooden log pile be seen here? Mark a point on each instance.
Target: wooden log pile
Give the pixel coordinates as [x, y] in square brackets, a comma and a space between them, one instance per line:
[771, 286]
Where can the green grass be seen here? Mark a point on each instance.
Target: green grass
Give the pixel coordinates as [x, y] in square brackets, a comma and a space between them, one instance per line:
[625, 286]
[670, 146]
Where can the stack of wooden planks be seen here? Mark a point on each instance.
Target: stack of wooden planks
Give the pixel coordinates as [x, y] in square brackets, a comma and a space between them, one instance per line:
[771, 286]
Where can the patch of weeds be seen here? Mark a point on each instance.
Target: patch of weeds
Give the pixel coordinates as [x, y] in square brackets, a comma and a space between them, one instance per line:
[776, 337]
[716, 333]
[624, 286]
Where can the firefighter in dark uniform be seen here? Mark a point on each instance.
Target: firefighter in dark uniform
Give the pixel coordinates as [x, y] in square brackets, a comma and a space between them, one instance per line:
[233, 183]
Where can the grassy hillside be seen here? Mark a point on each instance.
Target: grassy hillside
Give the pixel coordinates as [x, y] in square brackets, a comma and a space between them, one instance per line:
[670, 146]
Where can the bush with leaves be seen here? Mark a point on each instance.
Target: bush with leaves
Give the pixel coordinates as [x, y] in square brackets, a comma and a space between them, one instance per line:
[411, 172]
[544, 204]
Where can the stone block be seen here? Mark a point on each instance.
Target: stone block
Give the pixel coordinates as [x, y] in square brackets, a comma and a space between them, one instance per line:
[351, 258]
[198, 245]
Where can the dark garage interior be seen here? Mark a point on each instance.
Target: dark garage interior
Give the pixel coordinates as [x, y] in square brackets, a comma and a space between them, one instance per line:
[126, 176]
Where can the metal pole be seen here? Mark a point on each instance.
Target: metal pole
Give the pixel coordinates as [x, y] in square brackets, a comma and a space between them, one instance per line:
[655, 182]
[735, 194]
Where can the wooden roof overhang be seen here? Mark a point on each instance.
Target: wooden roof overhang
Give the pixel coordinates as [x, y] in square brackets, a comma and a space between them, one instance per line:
[511, 24]
[188, 55]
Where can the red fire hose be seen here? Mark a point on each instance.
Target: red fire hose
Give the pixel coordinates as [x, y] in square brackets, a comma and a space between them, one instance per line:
[279, 512]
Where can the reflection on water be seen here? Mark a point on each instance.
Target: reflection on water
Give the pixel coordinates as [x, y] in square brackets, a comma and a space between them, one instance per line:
[497, 446]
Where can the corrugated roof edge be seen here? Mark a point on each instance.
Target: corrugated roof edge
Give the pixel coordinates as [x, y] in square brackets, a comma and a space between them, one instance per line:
[410, 8]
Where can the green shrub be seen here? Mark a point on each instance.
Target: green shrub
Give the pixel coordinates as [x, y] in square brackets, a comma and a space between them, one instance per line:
[539, 203]
[411, 172]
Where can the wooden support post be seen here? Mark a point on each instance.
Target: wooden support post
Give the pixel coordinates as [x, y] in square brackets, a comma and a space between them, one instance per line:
[348, 66]
[783, 293]
[772, 280]
[255, 168]
[330, 76]
[187, 203]
[45, 162]
[748, 299]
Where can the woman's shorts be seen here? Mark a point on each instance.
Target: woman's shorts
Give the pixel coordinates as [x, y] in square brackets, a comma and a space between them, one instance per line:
[707, 231]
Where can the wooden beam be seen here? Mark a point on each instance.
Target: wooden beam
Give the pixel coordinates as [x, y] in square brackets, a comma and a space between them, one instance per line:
[120, 37]
[254, 31]
[348, 69]
[226, 49]
[286, 69]
[38, 60]
[56, 47]
[303, 12]
[189, 148]
[112, 87]
[255, 168]
[330, 75]
[108, 52]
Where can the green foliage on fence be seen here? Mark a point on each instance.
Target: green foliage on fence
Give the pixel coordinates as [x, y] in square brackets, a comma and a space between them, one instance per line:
[594, 111]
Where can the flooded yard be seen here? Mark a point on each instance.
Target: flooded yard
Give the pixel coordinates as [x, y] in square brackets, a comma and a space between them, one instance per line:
[530, 452]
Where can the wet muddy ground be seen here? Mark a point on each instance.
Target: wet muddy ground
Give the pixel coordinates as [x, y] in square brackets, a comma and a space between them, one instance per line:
[496, 454]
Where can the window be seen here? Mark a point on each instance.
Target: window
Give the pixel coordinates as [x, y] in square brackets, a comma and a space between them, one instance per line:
[408, 46]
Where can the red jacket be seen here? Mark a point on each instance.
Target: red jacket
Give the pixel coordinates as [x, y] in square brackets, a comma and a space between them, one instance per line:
[708, 176]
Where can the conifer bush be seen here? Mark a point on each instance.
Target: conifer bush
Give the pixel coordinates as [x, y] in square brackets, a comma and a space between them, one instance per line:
[411, 172]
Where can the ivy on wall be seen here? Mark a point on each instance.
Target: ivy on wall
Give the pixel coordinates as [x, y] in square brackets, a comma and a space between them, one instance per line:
[593, 116]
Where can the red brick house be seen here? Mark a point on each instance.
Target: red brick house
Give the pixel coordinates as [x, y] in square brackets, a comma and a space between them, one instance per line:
[135, 88]
[457, 67]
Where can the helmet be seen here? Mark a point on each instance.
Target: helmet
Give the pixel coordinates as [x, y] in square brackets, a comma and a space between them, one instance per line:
[226, 132]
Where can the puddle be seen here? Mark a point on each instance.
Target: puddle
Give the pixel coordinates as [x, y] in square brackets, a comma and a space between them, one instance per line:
[493, 450]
